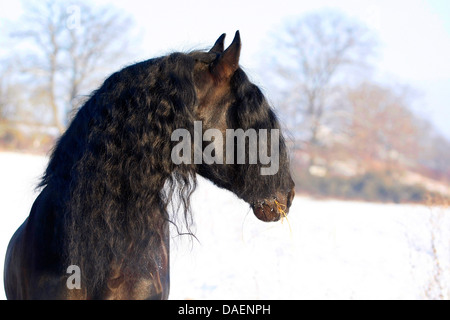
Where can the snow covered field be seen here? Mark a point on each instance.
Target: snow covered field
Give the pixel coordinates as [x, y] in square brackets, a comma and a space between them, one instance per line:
[329, 249]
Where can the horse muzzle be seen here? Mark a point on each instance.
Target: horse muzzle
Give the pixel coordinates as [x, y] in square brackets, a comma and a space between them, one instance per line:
[274, 209]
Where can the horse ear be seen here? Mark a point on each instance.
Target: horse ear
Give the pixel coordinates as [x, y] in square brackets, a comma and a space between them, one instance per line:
[218, 46]
[228, 61]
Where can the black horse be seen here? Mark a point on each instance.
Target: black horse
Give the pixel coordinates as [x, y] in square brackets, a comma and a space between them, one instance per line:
[103, 207]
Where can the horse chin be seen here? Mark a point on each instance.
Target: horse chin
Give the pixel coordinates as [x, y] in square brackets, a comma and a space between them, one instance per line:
[270, 210]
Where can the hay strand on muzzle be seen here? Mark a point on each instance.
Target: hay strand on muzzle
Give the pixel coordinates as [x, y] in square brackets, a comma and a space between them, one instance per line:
[281, 209]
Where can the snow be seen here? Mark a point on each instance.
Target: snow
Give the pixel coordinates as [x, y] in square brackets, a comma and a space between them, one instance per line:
[328, 250]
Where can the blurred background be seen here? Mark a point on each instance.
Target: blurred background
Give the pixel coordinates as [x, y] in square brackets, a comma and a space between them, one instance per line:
[362, 89]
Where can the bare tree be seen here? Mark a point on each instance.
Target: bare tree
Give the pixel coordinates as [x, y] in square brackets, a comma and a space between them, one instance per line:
[3, 96]
[11, 94]
[98, 40]
[317, 54]
[69, 46]
[380, 127]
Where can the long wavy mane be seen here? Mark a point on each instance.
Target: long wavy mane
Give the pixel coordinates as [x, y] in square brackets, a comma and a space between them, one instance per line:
[112, 168]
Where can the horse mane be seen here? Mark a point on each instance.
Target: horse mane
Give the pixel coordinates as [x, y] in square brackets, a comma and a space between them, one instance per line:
[111, 171]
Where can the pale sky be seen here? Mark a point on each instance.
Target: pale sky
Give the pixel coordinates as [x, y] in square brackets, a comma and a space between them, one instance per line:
[414, 36]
